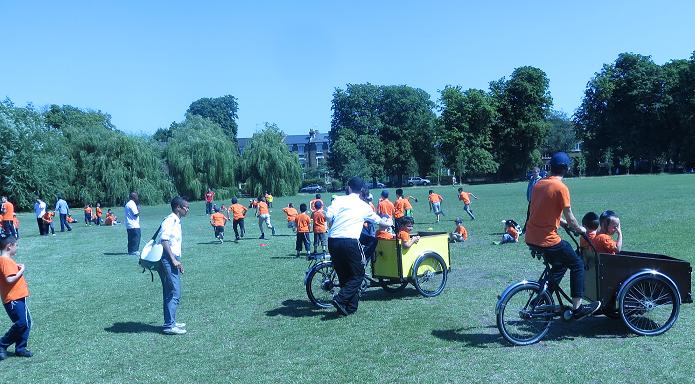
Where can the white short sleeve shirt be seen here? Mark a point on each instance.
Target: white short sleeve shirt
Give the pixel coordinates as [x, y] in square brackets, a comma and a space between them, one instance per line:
[132, 220]
[171, 231]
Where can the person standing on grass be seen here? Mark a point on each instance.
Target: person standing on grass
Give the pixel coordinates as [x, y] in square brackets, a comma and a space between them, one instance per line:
[39, 211]
[535, 176]
[238, 214]
[209, 197]
[435, 203]
[14, 292]
[132, 223]
[346, 217]
[7, 210]
[550, 201]
[63, 209]
[170, 269]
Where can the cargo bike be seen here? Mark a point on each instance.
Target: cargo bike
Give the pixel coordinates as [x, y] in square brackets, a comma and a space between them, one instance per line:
[643, 290]
[425, 265]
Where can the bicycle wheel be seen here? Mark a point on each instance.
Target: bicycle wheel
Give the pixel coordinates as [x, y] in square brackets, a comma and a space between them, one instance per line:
[429, 274]
[649, 304]
[520, 322]
[322, 284]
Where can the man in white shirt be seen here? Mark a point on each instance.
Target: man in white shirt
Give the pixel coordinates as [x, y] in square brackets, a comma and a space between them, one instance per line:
[346, 216]
[170, 268]
[40, 210]
[132, 224]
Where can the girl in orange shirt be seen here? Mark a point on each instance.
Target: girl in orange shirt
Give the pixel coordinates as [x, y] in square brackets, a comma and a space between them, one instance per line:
[404, 233]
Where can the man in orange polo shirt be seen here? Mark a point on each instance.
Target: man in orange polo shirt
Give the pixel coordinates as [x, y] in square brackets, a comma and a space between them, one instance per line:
[550, 200]
[238, 214]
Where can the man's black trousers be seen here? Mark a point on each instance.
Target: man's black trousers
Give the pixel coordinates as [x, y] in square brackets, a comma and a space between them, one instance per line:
[347, 258]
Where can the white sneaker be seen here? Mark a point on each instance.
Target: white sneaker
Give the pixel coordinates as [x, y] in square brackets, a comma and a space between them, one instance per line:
[174, 331]
[178, 325]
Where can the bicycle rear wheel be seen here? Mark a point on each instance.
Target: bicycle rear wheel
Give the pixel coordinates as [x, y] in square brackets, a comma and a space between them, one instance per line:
[322, 284]
[524, 317]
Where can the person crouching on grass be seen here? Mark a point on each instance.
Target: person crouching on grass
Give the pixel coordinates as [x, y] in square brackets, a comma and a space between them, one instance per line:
[303, 221]
[217, 220]
[460, 233]
[14, 292]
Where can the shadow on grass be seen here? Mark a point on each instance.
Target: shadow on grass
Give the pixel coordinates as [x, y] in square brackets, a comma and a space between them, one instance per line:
[284, 236]
[599, 327]
[295, 308]
[115, 253]
[133, 327]
[211, 242]
[379, 294]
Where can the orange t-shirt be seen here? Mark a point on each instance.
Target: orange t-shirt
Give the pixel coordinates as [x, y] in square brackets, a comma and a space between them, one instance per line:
[513, 233]
[217, 219]
[9, 211]
[403, 236]
[386, 207]
[16, 290]
[583, 244]
[109, 219]
[384, 235]
[312, 204]
[604, 243]
[549, 197]
[238, 211]
[465, 197]
[461, 230]
[99, 211]
[88, 211]
[303, 221]
[435, 198]
[48, 217]
[319, 222]
[262, 208]
[400, 207]
[291, 213]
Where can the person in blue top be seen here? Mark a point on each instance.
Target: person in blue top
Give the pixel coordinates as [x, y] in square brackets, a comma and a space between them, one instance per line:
[63, 210]
[535, 176]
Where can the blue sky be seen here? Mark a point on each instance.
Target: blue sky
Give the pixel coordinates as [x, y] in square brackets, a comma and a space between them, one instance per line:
[144, 62]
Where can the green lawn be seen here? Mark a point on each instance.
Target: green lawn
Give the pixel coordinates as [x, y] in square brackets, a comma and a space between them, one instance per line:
[97, 318]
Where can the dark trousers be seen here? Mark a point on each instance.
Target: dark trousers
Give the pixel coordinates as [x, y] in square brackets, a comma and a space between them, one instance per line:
[64, 223]
[133, 239]
[18, 334]
[347, 258]
[8, 227]
[302, 239]
[42, 226]
[238, 226]
[369, 243]
[219, 232]
[562, 257]
[208, 208]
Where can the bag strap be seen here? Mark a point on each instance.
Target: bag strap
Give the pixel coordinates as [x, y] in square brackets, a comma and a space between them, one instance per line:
[154, 237]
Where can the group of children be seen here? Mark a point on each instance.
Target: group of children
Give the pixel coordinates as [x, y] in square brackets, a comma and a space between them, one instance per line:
[600, 230]
[309, 219]
[95, 215]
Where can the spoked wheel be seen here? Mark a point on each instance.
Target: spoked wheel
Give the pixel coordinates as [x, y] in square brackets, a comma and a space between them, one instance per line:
[649, 304]
[523, 317]
[393, 286]
[322, 284]
[429, 274]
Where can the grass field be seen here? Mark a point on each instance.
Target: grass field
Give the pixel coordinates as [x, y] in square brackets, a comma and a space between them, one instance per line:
[97, 318]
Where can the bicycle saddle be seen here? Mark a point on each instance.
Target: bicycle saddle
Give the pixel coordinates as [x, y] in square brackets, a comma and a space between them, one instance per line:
[536, 252]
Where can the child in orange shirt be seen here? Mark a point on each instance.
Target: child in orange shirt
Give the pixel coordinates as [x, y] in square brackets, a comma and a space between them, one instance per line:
[590, 222]
[319, 227]
[466, 198]
[99, 212]
[460, 234]
[436, 203]
[217, 220]
[291, 213]
[610, 225]
[88, 215]
[14, 291]
[404, 232]
[303, 221]
[238, 214]
[48, 221]
[383, 232]
[511, 229]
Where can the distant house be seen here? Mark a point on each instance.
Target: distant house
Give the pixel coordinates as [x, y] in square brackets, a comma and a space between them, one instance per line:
[312, 149]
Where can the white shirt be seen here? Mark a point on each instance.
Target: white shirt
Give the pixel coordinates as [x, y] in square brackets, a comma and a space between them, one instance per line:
[346, 216]
[39, 209]
[132, 220]
[171, 231]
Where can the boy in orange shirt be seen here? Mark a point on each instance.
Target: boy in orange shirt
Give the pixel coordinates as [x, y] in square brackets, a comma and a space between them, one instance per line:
[263, 215]
[238, 214]
[291, 213]
[436, 203]
[407, 224]
[14, 292]
[48, 221]
[7, 210]
[88, 215]
[99, 213]
[312, 203]
[402, 208]
[303, 221]
[610, 225]
[217, 220]
[466, 198]
[110, 218]
[319, 227]
[383, 232]
[385, 206]
[591, 223]
[460, 234]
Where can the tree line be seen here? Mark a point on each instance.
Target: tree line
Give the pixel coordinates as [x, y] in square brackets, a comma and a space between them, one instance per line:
[635, 115]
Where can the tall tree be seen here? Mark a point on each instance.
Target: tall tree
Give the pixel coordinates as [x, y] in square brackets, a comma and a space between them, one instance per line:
[523, 103]
[221, 110]
[562, 135]
[268, 165]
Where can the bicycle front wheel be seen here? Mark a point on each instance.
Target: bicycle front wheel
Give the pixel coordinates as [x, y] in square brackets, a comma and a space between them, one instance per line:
[322, 284]
[524, 317]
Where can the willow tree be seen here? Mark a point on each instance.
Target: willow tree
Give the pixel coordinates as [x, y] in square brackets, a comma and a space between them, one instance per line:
[268, 165]
[200, 156]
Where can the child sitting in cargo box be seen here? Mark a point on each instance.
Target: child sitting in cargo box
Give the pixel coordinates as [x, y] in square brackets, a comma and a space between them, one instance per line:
[609, 225]
[384, 233]
[590, 222]
[406, 240]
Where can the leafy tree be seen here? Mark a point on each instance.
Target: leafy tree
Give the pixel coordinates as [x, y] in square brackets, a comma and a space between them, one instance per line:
[221, 110]
[523, 103]
[201, 156]
[680, 110]
[466, 131]
[268, 165]
[561, 133]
